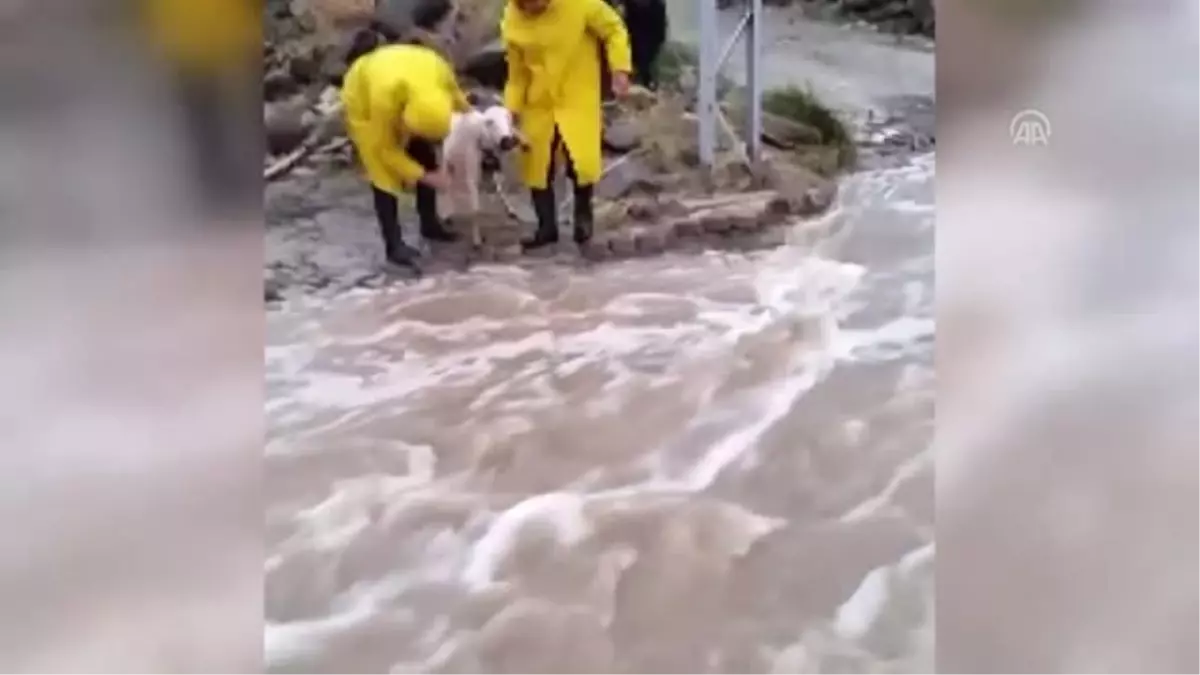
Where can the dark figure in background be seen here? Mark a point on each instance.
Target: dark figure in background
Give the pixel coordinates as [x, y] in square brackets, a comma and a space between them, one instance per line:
[646, 21]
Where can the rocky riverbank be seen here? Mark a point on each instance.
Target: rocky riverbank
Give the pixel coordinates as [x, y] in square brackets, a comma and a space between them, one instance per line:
[654, 199]
[322, 237]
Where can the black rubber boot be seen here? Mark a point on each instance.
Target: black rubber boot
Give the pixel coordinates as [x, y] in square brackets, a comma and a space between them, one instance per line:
[546, 210]
[403, 255]
[583, 214]
[395, 250]
[432, 228]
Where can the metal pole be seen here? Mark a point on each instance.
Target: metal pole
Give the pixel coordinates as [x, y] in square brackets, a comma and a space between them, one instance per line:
[754, 85]
[712, 59]
[706, 104]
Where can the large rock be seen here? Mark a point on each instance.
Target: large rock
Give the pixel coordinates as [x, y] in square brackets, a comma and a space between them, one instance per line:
[305, 67]
[487, 65]
[623, 135]
[285, 124]
[279, 84]
[785, 133]
[395, 15]
[777, 131]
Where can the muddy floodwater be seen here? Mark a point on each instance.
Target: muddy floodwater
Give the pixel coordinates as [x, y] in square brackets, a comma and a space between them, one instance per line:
[694, 462]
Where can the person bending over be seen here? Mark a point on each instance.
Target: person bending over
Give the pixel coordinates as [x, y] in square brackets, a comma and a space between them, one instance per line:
[553, 50]
[398, 101]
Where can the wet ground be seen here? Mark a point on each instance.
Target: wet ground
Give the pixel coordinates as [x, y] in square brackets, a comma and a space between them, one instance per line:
[702, 462]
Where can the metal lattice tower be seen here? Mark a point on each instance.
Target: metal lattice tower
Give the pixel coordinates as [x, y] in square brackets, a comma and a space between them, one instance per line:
[714, 53]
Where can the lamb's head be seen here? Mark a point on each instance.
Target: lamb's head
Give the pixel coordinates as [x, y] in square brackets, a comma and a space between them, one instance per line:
[499, 129]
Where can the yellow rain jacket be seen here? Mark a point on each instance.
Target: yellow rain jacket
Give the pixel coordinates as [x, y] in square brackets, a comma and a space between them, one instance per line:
[554, 80]
[206, 35]
[392, 95]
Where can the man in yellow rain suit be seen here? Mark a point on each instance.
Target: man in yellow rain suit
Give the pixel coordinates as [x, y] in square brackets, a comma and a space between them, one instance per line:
[398, 101]
[553, 48]
[212, 48]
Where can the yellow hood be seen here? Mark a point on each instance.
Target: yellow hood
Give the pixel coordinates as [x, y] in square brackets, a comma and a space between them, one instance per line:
[428, 115]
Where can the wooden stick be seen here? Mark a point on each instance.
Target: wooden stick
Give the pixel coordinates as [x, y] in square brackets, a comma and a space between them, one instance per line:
[310, 144]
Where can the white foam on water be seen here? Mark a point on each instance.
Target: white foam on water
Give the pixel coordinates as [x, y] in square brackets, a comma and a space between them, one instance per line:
[562, 511]
[297, 640]
[910, 468]
[917, 559]
[734, 446]
[896, 338]
[863, 609]
[793, 659]
[353, 504]
[856, 616]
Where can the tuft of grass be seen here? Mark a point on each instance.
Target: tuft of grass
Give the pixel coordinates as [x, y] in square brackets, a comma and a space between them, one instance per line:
[673, 62]
[678, 66]
[801, 105]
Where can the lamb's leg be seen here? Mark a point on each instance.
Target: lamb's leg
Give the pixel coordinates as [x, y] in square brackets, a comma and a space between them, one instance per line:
[472, 187]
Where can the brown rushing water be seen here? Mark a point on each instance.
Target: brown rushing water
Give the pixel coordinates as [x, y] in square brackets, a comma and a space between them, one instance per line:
[713, 463]
[690, 463]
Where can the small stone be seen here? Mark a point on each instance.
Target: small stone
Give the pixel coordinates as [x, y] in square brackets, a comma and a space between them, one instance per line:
[483, 253]
[650, 241]
[450, 254]
[508, 254]
[272, 291]
[821, 197]
[672, 207]
[623, 245]
[333, 66]
[542, 252]
[643, 209]
[305, 68]
[747, 223]
[715, 224]
[595, 249]
[779, 205]
[623, 135]
[687, 229]
[277, 85]
[771, 217]
[501, 236]
[284, 125]
[772, 237]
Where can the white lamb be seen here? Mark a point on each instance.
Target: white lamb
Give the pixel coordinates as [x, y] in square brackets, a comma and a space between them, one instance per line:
[473, 136]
